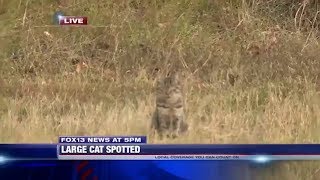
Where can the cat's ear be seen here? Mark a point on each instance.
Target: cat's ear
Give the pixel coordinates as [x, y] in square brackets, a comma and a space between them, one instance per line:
[175, 77]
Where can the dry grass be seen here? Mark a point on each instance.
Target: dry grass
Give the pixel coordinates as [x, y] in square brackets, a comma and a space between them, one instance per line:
[98, 80]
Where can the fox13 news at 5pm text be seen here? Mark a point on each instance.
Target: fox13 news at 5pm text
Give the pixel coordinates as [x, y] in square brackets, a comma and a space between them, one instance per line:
[131, 157]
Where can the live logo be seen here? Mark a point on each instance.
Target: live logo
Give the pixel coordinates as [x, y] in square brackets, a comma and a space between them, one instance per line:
[73, 20]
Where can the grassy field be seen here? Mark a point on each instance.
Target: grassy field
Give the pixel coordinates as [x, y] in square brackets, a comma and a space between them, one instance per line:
[99, 79]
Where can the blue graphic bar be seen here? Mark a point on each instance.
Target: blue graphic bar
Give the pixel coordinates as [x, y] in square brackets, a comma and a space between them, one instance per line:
[28, 151]
[241, 149]
[103, 139]
[190, 157]
[50, 151]
[107, 149]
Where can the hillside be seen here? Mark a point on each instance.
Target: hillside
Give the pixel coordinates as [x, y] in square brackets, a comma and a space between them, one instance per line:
[251, 70]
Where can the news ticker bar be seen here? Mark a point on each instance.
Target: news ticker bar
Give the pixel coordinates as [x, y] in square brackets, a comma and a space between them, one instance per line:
[161, 149]
[157, 151]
